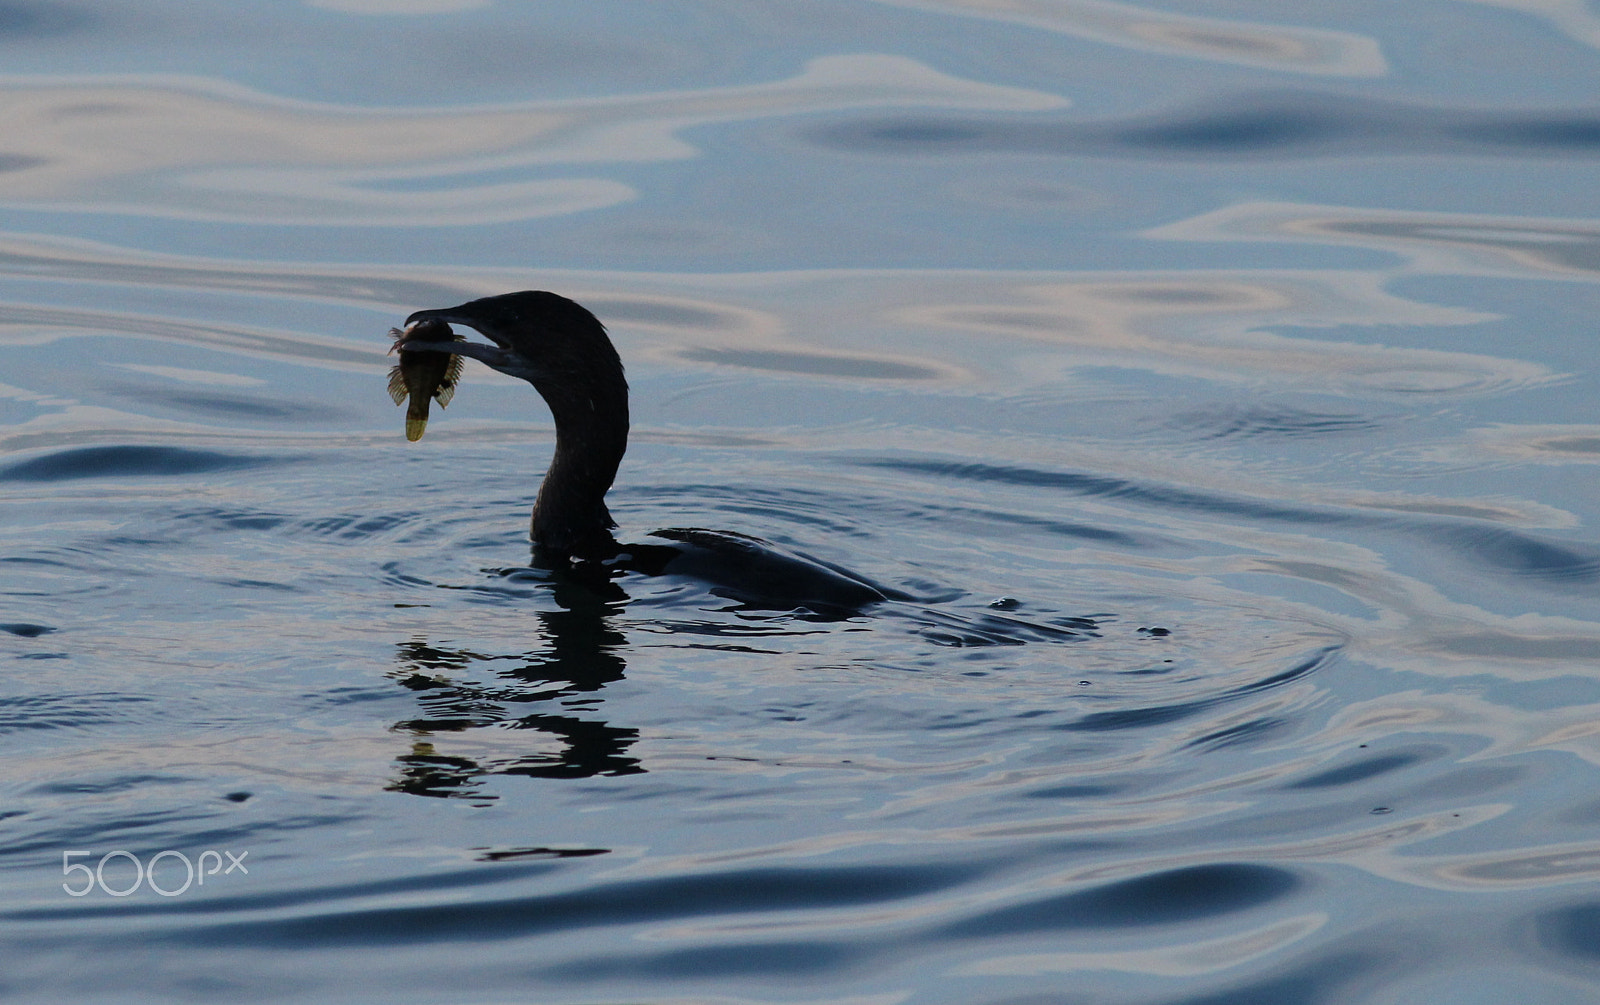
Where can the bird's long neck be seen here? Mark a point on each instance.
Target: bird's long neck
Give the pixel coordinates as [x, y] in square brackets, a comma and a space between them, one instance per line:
[570, 519]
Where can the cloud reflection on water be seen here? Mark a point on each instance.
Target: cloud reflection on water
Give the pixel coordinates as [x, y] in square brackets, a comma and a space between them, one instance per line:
[1200, 323]
[1572, 17]
[1285, 48]
[202, 149]
[1427, 243]
[1210, 325]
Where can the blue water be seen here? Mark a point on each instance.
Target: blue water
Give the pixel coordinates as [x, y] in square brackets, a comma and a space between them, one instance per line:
[1214, 379]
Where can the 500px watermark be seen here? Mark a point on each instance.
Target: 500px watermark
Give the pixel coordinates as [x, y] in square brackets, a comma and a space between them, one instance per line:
[144, 873]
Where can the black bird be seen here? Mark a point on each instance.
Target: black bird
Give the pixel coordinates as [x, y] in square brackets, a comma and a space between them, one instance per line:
[562, 349]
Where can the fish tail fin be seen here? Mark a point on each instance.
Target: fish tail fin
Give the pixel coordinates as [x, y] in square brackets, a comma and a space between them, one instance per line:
[416, 418]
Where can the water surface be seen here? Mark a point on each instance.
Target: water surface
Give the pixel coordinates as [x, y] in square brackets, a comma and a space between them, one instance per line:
[1214, 384]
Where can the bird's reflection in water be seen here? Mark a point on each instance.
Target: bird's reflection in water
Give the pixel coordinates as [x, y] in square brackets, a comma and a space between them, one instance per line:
[461, 690]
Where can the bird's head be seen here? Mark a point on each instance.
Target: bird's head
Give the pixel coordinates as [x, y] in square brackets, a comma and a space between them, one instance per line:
[539, 336]
[552, 342]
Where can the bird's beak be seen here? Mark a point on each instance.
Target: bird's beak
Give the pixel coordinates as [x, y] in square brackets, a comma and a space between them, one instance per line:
[457, 316]
[495, 356]
[447, 315]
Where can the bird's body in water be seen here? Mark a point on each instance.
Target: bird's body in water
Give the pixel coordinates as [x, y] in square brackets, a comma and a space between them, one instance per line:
[563, 351]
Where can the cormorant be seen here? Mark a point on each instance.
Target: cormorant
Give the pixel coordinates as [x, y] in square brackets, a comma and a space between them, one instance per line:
[562, 349]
